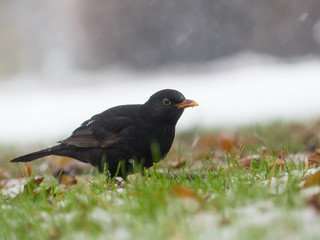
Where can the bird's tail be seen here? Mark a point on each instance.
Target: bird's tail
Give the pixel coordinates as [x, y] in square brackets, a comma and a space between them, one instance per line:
[35, 155]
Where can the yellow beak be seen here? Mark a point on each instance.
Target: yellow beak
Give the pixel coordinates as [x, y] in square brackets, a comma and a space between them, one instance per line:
[186, 103]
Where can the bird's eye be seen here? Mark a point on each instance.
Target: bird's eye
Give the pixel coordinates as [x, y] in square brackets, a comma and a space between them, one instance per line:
[166, 101]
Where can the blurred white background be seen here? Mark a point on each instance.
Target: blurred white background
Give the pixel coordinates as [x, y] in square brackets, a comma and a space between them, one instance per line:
[242, 61]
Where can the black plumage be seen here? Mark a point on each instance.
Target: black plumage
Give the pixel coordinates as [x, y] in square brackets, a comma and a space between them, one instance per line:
[141, 133]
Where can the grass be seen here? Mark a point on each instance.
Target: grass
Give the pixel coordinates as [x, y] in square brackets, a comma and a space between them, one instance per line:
[214, 200]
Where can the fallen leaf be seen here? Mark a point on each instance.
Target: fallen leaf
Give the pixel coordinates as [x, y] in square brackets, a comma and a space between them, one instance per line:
[58, 162]
[26, 172]
[48, 191]
[281, 154]
[30, 187]
[70, 167]
[33, 184]
[306, 166]
[226, 144]
[190, 199]
[247, 161]
[206, 142]
[314, 201]
[279, 162]
[314, 158]
[64, 179]
[38, 181]
[178, 164]
[313, 180]
[183, 192]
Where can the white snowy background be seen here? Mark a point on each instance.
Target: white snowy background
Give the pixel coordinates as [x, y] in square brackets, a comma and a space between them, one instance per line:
[239, 90]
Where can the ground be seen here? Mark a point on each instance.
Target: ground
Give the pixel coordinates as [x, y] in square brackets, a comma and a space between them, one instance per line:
[254, 182]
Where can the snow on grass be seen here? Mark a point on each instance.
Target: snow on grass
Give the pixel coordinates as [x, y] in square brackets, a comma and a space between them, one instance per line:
[13, 186]
[131, 217]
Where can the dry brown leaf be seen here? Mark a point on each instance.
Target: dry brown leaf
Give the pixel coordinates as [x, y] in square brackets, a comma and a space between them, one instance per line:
[279, 162]
[34, 183]
[306, 166]
[281, 154]
[205, 155]
[314, 158]
[178, 164]
[70, 167]
[246, 162]
[48, 191]
[58, 162]
[313, 180]
[206, 142]
[183, 192]
[314, 201]
[30, 187]
[188, 197]
[64, 179]
[26, 172]
[38, 181]
[226, 144]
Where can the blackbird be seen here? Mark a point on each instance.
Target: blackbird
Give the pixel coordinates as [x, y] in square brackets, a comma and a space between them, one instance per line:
[123, 136]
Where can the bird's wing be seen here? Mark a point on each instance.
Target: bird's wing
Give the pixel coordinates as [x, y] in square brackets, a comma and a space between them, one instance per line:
[99, 132]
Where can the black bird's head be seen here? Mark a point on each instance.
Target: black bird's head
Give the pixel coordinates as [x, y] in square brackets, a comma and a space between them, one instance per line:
[166, 106]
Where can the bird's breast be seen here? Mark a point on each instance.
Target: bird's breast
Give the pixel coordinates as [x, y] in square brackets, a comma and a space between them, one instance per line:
[151, 138]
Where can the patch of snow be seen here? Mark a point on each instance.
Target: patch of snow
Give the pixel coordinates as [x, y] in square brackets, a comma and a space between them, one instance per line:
[120, 190]
[277, 185]
[311, 171]
[260, 213]
[66, 217]
[13, 186]
[121, 233]
[310, 191]
[297, 173]
[277, 223]
[299, 158]
[101, 216]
